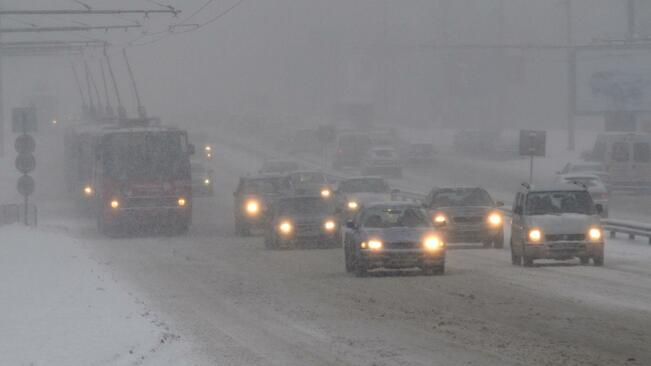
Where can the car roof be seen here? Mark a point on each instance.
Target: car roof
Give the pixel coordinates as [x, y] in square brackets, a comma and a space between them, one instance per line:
[262, 176]
[557, 187]
[391, 203]
[459, 188]
[362, 177]
[579, 175]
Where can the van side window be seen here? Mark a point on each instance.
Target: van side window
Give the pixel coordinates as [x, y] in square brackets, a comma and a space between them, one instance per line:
[620, 151]
[641, 152]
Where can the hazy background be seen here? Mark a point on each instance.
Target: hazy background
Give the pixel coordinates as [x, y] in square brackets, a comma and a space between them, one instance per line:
[293, 59]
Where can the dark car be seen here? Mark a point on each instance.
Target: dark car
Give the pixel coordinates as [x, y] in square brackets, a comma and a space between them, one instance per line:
[306, 220]
[202, 180]
[307, 183]
[467, 215]
[393, 235]
[351, 148]
[353, 193]
[253, 198]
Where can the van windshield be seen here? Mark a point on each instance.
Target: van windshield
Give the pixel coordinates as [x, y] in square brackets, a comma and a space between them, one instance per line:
[559, 202]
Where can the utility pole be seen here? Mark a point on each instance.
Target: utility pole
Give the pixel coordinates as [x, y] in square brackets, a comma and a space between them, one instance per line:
[2, 105]
[630, 34]
[571, 77]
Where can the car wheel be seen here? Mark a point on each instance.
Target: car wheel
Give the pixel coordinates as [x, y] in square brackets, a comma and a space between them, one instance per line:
[584, 260]
[598, 261]
[499, 241]
[515, 259]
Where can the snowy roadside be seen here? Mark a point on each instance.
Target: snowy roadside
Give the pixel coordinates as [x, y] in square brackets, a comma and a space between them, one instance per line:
[59, 307]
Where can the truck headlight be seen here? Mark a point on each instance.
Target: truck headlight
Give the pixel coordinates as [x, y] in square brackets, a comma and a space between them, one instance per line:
[352, 205]
[252, 207]
[375, 245]
[494, 219]
[285, 227]
[329, 225]
[535, 235]
[325, 193]
[432, 243]
[595, 234]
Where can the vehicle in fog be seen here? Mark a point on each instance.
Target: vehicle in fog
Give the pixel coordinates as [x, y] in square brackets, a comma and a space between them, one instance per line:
[80, 144]
[208, 152]
[353, 193]
[383, 161]
[420, 152]
[302, 220]
[309, 182]
[305, 140]
[143, 179]
[385, 138]
[202, 180]
[350, 149]
[627, 159]
[276, 166]
[467, 215]
[557, 222]
[393, 235]
[253, 198]
[595, 186]
[584, 167]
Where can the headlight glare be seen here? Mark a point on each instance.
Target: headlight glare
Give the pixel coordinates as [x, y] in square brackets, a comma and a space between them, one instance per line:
[182, 202]
[252, 207]
[115, 204]
[535, 235]
[495, 219]
[329, 225]
[595, 234]
[352, 205]
[440, 219]
[285, 227]
[88, 191]
[375, 245]
[432, 243]
[325, 193]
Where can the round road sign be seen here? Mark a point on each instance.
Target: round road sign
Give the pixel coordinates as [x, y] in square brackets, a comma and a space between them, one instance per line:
[25, 144]
[25, 163]
[25, 185]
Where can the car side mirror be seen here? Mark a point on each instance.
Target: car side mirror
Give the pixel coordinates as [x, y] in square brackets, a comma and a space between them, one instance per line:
[350, 224]
[191, 149]
[499, 204]
[600, 208]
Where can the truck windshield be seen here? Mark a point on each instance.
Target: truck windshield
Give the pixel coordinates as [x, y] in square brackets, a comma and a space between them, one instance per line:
[461, 197]
[146, 156]
[559, 202]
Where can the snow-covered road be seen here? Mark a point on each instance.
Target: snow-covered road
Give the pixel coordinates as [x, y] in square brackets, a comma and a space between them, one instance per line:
[243, 305]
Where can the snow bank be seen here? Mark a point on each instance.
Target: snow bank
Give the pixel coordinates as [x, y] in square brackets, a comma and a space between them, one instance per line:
[58, 307]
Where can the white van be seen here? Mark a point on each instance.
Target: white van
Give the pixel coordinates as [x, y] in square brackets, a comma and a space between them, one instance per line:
[627, 159]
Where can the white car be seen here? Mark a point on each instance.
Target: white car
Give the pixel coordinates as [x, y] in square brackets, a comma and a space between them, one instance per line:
[558, 222]
[595, 185]
[584, 167]
[383, 161]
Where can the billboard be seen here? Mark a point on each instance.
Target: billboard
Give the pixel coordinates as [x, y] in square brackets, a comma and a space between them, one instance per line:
[613, 79]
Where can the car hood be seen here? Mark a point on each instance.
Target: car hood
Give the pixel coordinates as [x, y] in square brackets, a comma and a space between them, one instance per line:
[464, 210]
[308, 218]
[363, 198]
[562, 224]
[398, 235]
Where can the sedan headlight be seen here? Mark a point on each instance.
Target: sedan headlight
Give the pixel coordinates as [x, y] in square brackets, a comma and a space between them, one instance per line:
[432, 243]
[494, 219]
[182, 202]
[115, 204]
[595, 234]
[325, 193]
[88, 191]
[286, 227]
[329, 225]
[375, 245]
[206, 182]
[252, 207]
[440, 219]
[535, 235]
[352, 205]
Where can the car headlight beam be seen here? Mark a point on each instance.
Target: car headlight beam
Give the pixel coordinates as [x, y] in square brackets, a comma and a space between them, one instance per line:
[252, 207]
[352, 205]
[535, 235]
[432, 243]
[440, 219]
[325, 193]
[375, 244]
[285, 227]
[494, 219]
[595, 234]
[329, 225]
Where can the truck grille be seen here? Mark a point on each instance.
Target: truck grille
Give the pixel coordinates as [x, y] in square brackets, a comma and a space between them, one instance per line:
[136, 202]
[565, 237]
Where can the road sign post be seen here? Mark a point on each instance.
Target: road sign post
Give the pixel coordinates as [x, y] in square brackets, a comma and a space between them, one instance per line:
[532, 143]
[24, 121]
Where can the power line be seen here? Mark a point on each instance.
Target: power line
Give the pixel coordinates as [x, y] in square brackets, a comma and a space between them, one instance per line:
[66, 29]
[205, 5]
[90, 12]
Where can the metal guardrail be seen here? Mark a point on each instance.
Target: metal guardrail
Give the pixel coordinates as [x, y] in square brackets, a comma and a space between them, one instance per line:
[633, 229]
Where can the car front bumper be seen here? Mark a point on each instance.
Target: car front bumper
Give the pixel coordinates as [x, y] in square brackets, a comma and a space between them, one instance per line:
[402, 258]
[564, 249]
